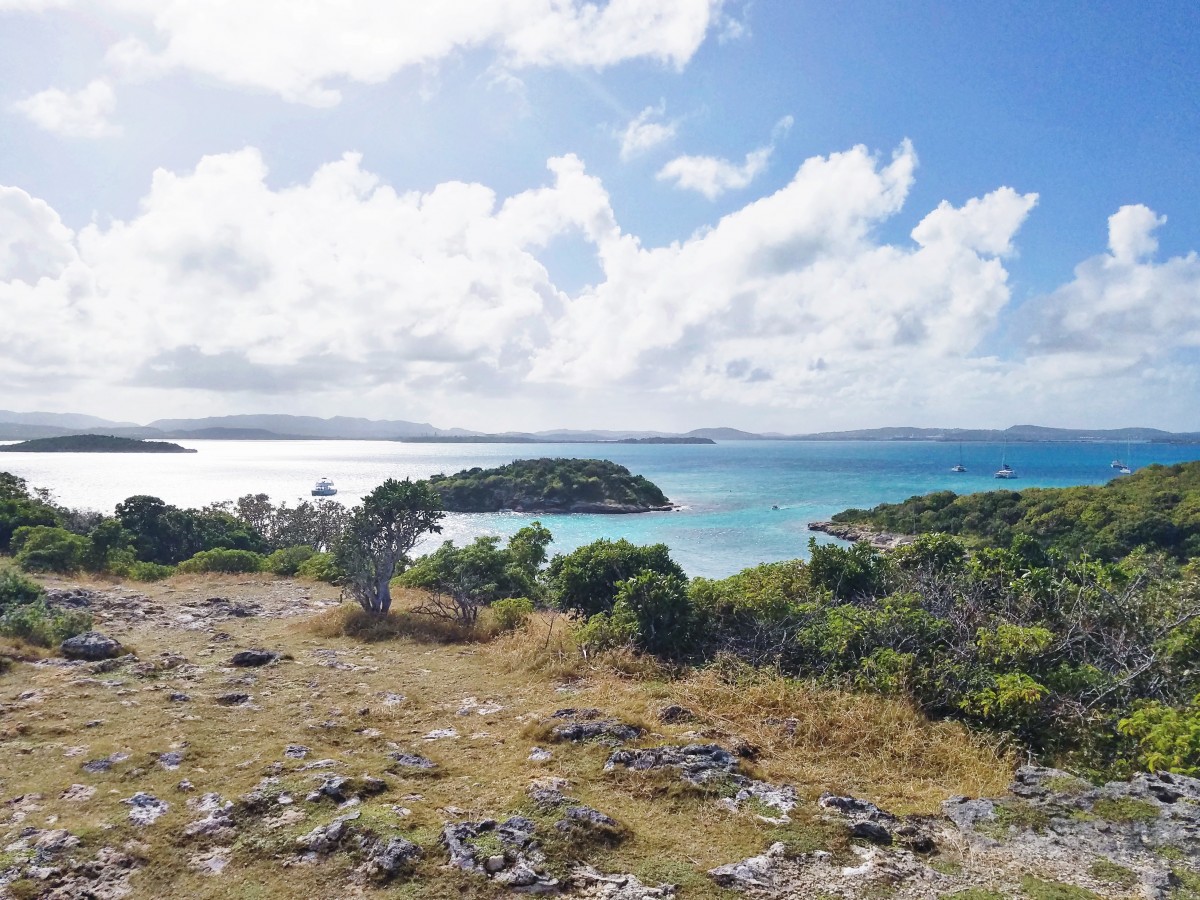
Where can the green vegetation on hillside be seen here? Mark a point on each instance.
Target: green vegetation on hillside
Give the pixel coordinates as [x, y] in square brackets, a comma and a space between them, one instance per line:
[93, 443]
[549, 485]
[1156, 507]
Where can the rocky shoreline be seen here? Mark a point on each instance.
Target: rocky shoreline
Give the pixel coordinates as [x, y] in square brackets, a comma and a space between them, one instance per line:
[603, 507]
[884, 540]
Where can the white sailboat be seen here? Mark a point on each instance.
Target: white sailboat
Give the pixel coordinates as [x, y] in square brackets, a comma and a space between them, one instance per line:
[1005, 470]
[960, 467]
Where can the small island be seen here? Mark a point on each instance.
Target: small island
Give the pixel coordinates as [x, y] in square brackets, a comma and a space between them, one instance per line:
[551, 486]
[93, 443]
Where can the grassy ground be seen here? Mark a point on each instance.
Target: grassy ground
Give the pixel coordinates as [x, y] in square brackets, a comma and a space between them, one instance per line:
[332, 695]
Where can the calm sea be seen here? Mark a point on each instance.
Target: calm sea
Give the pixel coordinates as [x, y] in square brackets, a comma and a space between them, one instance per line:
[727, 490]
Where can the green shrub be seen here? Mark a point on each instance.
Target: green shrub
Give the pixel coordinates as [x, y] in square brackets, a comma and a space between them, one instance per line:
[320, 567]
[608, 631]
[227, 561]
[586, 579]
[1167, 737]
[16, 589]
[37, 623]
[659, 604]
[148, 571]
[45, 548]
[511, 613]
[288, 560]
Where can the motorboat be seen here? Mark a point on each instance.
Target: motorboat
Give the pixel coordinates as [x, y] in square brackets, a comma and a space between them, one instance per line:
[1117, 464]
[324, 488]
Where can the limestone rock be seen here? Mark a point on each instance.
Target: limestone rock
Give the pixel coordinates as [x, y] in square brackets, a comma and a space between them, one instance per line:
[146, 808]
[90, 646]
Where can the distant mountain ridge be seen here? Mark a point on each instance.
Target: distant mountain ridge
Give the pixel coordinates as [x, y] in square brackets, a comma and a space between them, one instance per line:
[276, 426]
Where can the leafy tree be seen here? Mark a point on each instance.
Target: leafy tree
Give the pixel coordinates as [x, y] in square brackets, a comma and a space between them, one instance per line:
[379, 536]
[110, 545]
[44, 548]
[168, 535]
[19, 507]
[585, 580]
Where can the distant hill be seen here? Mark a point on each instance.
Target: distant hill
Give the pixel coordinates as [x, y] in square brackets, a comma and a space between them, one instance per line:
[724, 434]
[92, 443]
[72, 422]
[1031, 433]
[304, 426]
[25, 426]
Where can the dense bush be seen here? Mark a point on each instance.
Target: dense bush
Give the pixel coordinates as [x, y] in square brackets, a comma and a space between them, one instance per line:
[1156, 507]
[145, 571]
[227, 561]
[320, 567]
[664, 620]
[483, 571]
[45, 548]
[288, 560]
[19, 507]
[168, 535]
[1054, 650]
[16, 589]
[41, 624]
[511, 613]
[585, 580]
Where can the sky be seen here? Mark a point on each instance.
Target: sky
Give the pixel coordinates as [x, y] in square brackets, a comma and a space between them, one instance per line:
[776, 215]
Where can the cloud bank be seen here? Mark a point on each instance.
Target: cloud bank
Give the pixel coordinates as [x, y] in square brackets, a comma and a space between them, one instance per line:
[300, 51]
[344, 287]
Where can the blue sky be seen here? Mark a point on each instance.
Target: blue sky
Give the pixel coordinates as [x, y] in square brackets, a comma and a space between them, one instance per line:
[641, 214]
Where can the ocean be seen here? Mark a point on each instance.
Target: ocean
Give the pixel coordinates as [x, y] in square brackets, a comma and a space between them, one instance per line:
[727, 490]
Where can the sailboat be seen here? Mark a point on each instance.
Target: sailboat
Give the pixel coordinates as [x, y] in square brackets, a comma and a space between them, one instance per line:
[1123, 468]
[960, 467]
[1005, 470]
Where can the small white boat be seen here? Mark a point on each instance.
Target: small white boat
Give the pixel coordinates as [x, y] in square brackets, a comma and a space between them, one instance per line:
[1005, 471]
[960, 467]
[1117, 464]
[324, 488]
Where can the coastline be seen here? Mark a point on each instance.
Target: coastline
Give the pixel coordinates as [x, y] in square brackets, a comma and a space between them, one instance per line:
[884, 540]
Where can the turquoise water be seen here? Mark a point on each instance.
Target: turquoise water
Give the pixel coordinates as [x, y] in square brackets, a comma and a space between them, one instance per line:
[726, 490]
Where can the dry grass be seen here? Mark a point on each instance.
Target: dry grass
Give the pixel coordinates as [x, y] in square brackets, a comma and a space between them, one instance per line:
[331, 698]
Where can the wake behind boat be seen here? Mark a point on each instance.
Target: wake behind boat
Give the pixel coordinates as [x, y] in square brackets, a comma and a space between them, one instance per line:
[324, 488]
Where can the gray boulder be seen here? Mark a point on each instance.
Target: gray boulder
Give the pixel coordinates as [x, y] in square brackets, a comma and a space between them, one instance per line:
[91, 646]
[253, 658]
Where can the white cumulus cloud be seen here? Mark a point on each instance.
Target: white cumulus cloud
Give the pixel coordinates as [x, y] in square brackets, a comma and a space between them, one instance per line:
[84, 113]
[1131, 233]
[645, 132]
[713, 176]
